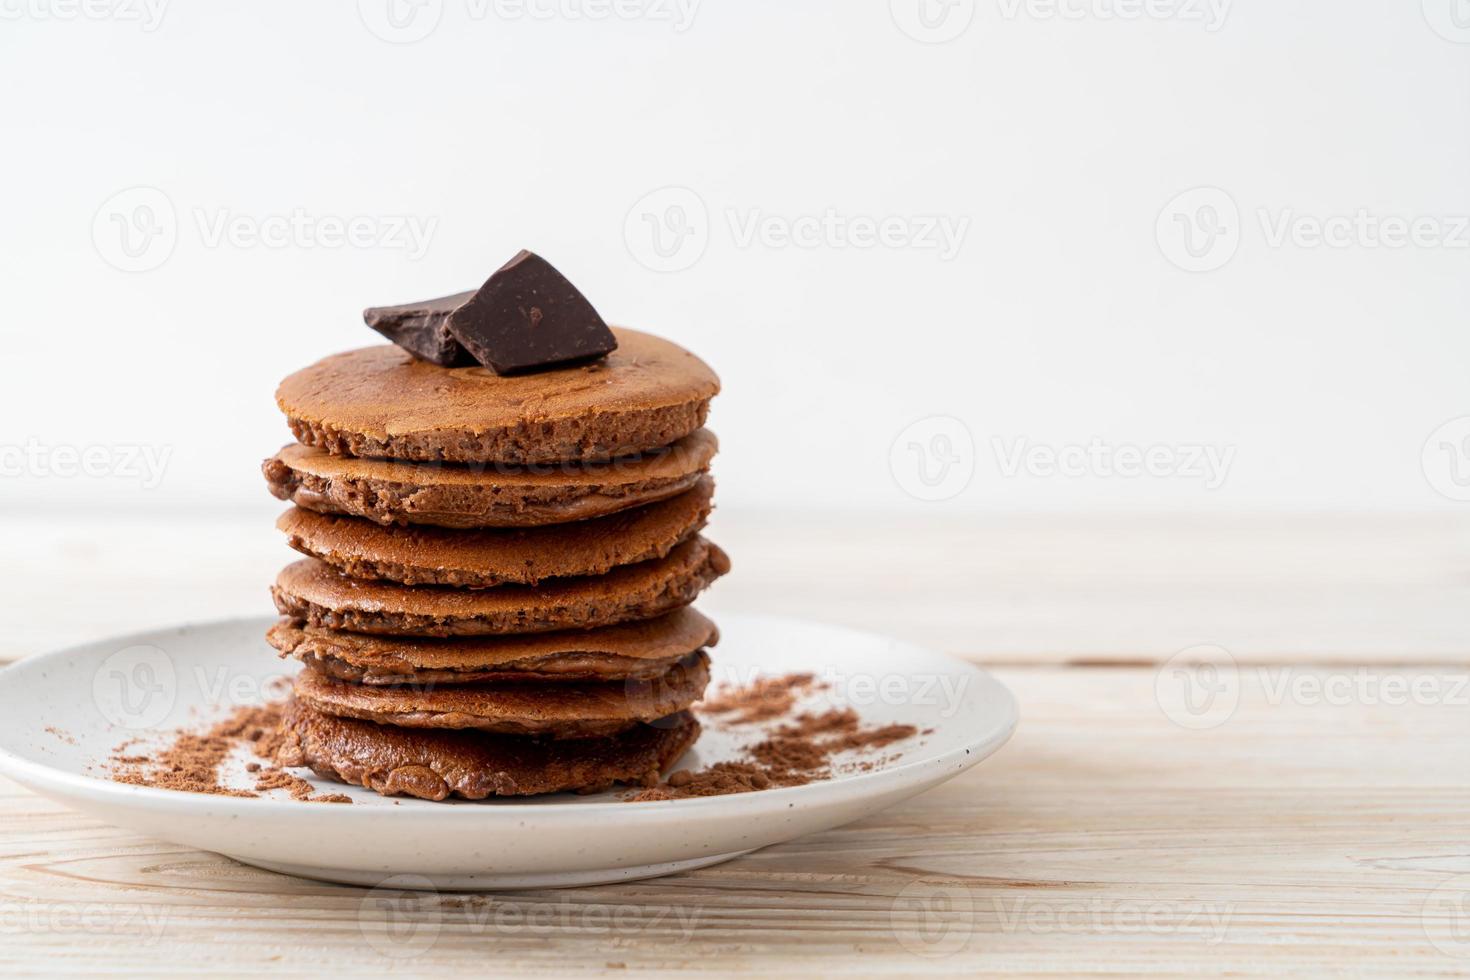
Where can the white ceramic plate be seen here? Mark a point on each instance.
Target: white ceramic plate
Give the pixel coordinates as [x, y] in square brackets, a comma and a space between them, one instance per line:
[63, 714]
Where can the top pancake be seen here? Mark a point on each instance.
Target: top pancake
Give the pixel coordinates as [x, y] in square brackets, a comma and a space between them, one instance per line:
[384, 402]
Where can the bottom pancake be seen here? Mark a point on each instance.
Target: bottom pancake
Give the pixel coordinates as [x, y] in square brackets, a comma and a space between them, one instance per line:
[435, 765]
[560, 710]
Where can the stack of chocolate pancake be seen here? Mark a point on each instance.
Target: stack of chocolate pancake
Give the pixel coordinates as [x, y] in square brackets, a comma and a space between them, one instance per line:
[495, 598]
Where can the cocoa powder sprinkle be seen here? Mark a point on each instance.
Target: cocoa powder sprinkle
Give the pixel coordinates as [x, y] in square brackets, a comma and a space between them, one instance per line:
[191, 762]
[792, 754]
[761, 700]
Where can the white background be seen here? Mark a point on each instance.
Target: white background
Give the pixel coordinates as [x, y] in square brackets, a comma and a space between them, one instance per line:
[1057, 141]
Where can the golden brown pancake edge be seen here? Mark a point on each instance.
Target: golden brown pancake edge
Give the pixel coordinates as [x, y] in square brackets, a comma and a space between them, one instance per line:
[311, 591]
[574, 710]
[384, 402]
[486, 558]
[393, 492]
[635, 649]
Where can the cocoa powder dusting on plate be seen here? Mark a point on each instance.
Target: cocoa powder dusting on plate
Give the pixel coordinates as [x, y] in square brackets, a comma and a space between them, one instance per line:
[761, 700]
[272, 778]
[191, 762]
[792, 754]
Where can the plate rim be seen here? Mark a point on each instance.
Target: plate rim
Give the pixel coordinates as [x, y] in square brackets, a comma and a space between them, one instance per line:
[30, 773]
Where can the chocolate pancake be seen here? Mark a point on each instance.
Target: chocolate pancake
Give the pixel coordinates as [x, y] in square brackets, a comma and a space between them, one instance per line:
[435, 765]
[467, 495]
[480, 559]
[627, 651]
[384, 402]
[313, 592]
[574, 710]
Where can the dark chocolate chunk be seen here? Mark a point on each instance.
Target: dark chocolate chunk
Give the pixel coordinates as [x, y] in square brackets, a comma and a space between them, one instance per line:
[419, 328]
[527, 315]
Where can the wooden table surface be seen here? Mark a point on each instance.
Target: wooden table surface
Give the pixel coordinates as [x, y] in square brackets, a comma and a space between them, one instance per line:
[1316, 820]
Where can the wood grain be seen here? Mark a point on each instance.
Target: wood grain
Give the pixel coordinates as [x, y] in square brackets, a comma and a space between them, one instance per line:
[1293, 838]
[996, 588]
[1313, 818]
